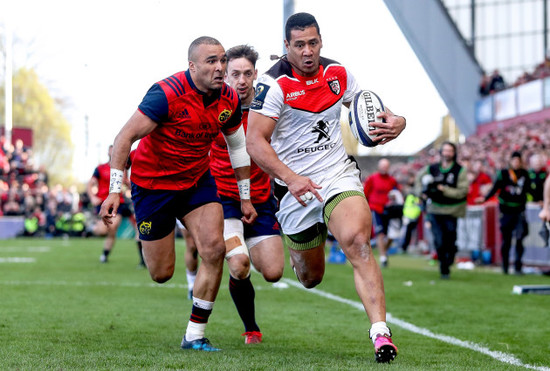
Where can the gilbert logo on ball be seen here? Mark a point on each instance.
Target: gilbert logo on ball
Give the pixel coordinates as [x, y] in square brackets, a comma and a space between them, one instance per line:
[363, 111]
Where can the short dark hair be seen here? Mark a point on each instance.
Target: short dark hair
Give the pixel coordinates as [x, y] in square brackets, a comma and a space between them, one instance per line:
[449, 143]
[200, 41]
[242, 51]
[516, 154]
[300, 21]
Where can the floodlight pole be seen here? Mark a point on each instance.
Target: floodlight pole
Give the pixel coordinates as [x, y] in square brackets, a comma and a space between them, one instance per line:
[8, 87]
[288, 10]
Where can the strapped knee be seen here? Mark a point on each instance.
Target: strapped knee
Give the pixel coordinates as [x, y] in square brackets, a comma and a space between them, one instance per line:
[234, 245]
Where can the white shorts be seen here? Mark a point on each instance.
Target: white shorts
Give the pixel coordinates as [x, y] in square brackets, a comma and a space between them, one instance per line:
[295, 218]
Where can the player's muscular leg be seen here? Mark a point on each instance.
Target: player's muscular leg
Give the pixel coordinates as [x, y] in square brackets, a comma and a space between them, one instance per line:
[239, 266]
[350, 223]
[206, 227]
[160, 257]
[268, 258]
[309, 265]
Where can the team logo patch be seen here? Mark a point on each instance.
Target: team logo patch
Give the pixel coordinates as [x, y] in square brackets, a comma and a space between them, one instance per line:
[321, 129]
[259, 96]
[225, 115]
[145, 227]
[334, 86]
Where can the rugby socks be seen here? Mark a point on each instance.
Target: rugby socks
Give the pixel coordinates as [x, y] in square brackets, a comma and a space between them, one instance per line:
[199, 318]
[140, 253]
[378, 328]
[242, 293]
[191, 275]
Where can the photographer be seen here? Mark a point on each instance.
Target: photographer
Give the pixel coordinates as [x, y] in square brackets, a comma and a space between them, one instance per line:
[444, 186]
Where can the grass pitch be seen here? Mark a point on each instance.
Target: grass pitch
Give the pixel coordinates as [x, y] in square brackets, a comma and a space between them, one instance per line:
[62, 309]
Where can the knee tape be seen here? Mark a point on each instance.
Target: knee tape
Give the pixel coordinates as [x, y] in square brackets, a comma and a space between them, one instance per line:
[234, 245]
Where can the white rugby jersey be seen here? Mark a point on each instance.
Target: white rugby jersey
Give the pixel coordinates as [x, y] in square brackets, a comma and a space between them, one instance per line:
[307, 137]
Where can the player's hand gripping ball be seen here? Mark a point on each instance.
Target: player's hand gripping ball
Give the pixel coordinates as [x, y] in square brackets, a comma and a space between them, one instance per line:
[363, 111]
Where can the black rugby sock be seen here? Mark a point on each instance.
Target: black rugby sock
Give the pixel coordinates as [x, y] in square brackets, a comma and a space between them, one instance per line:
[140, 252]
[242, 293]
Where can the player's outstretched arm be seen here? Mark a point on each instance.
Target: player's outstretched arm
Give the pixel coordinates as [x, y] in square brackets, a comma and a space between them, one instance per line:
[138, 126]
[240, 161]
[389, 130]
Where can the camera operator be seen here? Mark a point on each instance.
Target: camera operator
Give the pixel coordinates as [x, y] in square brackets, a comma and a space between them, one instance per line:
[444, 186]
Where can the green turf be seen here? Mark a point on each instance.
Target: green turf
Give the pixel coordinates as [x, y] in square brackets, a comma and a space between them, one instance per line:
[68, 311]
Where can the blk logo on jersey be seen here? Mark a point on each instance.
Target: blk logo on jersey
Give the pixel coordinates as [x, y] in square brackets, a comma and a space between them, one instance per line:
[321, 129]
[334, 86]
[145, 227]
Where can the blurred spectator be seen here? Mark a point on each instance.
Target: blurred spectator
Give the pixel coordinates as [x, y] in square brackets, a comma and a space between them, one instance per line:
[12, 204]
[412, 209]
[512, 185]
[524, 78]
[497, 82]
[377, 188]
[444, 186]
[480, 183]
[484, 85]
[537, 174]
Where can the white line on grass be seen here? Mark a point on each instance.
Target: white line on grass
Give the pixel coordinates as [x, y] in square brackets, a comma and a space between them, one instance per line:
[25, 248]
[16, 259]
[499, 356]
[98, 283]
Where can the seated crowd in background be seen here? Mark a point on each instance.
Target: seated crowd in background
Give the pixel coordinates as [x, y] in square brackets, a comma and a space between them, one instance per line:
[493, 83]
[24, 191]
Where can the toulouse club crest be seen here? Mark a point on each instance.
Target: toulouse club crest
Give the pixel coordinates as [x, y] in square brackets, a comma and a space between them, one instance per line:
[334, 86]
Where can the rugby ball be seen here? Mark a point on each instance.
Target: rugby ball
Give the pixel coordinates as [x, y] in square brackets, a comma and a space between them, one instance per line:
[363, 111]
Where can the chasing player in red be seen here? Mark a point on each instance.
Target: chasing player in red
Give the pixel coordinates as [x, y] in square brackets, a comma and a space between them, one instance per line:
[177, 121]
[259, 242]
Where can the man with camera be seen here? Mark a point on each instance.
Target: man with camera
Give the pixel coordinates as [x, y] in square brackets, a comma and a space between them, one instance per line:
[444, 186]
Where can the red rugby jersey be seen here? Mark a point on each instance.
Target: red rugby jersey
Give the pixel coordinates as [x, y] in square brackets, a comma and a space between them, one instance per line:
[175, 155]
[220, 166]
[377, 186]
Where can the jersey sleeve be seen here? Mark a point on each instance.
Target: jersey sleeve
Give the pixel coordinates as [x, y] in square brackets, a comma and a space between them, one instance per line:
[234, 120]
[155, 104]
[96, 173]
[268, 99]
[352, 87]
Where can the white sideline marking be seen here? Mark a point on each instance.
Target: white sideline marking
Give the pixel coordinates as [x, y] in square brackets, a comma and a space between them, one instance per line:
[99, 283]
[499, 356]
[16, 259]
[27, 249]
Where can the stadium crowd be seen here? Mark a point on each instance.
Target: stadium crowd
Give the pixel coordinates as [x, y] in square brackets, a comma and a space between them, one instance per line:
[494, 82]
[491, 149]
[25, 191]
[54, 210]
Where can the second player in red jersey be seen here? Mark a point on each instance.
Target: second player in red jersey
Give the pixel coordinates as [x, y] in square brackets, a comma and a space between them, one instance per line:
[259, 242]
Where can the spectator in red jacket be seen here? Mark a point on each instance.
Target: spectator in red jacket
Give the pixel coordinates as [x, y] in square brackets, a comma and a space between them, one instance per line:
[377, 187]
